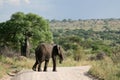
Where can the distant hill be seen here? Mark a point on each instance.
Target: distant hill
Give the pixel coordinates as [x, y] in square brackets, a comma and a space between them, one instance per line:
[94, 24]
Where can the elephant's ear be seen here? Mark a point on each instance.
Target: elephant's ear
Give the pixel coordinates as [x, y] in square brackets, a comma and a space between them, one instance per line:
[56, 49]
[60, 53]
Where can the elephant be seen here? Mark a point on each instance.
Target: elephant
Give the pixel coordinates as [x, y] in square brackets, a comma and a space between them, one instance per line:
[44, 52]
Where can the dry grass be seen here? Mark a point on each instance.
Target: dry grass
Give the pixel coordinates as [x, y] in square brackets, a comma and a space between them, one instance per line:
[2, 70]
[8, 64]
[105, 69]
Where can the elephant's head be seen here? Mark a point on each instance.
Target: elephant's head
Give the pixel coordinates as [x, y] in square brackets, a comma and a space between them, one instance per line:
[59, 52]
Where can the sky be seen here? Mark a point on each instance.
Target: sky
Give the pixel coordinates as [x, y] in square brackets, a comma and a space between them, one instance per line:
[62, 9]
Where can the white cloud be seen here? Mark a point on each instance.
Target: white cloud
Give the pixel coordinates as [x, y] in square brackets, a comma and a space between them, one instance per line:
[1, 2]
[45, 5]
[14, 2]
[27, 1]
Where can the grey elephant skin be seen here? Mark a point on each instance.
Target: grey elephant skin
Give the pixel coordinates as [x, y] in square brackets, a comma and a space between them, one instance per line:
[44, 52]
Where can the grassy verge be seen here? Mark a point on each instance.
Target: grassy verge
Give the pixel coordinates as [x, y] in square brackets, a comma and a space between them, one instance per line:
[105, 69]
[16, 63]
[2, 70]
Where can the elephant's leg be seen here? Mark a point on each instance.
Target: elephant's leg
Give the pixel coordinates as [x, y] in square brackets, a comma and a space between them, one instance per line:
[34, 66]
[54, 64]
[46, 64]
[39, 67]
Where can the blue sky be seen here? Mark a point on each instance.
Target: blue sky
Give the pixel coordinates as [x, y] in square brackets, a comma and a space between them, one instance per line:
[62, 9]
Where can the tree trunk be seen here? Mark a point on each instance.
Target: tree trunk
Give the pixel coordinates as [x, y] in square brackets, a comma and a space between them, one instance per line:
[25, 47]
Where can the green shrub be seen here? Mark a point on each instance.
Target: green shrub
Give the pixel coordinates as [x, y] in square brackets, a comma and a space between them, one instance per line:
[79, 54]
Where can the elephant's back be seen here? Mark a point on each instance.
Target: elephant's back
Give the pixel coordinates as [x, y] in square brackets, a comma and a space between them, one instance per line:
[44, 50]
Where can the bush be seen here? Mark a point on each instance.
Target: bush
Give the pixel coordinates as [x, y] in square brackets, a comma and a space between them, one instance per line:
[79, 54]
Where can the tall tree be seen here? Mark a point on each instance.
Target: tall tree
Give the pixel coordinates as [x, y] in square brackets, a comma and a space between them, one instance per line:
[23, 29]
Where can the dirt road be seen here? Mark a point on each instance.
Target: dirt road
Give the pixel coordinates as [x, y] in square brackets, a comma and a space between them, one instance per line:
[63, 73]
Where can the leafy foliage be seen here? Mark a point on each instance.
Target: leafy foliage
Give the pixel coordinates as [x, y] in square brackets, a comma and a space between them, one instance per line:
[22, 27]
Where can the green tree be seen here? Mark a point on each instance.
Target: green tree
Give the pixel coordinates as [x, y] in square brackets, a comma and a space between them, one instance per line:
[23, 29]
[64, 20]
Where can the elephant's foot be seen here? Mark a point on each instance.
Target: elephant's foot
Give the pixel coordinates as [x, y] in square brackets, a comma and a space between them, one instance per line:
[34, 69]
[45, 70]
[54, 70]
[39, 70]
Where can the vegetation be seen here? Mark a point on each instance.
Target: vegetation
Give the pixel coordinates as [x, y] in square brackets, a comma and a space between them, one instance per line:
[95, 24]
[90, 40]
[107, 69]
[23, 30]
[15, 64]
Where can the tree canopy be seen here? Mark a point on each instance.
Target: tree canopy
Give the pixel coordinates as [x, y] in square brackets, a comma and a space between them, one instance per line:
[23, 29]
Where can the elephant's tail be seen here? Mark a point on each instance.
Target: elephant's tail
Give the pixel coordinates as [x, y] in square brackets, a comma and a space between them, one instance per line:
[37, 60]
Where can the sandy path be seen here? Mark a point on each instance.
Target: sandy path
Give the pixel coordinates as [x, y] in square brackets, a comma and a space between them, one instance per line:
[63, 73]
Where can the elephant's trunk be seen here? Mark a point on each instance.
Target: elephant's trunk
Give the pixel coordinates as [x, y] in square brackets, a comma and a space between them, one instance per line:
[60, 61]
